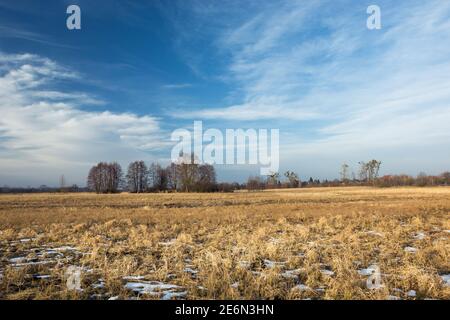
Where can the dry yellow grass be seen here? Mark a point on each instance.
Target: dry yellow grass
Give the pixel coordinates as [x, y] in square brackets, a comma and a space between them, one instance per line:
[277, 244]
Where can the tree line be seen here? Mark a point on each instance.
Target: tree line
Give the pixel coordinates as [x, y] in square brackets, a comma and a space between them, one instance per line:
[187, 176]
[366, 175]
[183, 176]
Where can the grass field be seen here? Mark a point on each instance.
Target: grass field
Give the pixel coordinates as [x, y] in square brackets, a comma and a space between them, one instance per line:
[330, 243]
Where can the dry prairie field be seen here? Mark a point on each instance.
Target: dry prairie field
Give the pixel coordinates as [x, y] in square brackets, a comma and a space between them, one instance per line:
[318, 243]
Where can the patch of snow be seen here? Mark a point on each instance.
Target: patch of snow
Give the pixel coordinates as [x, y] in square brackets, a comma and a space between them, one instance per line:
[168, 243]
[114, 298]
[32, 263]
[52, 252]
[291, 274]
[327, 272]
[133, 278]
[410, 249]
[446, 279]
[301, 287]
[65, 248]
[320, 289]
[18, 260]
[369, 270]
[393, 298]
[164, 290]
[99, 285]
[168, 295]
[190, 270]
[235, 285]
[272, 264]
[411, 293]
[419, 236]
[25, 240]
[41, 276]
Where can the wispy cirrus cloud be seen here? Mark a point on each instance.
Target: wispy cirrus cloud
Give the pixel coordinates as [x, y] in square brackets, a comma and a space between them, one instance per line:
[303, 61]
[367, 93]
[177, 86]
[8, 32]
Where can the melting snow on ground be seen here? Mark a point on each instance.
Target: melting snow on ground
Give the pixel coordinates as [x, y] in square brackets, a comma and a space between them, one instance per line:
[165, 291]
[301, 287]
[133, 278]
[190, 270]
[272, 264]
[327, 272]
[291, 274]
[41, 276]
[411, 293]
[369, 270]
[419, 236]
[446, 279]
[168, 243]
[99, 285]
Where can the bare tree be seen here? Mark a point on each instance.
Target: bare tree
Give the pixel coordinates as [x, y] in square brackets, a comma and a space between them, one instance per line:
[114, 177]
[206, 178]
[137, 177]
[162, 180]
[363, 174]
[172, 176]
[293, 179]
[187, 172]
[158, 177]
[62, 183]
[344, 172]
[373, 169]
[273, 180]
[369, 171]
[105, 177]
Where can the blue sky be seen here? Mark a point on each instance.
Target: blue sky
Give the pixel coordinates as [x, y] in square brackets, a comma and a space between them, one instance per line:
[136, 71]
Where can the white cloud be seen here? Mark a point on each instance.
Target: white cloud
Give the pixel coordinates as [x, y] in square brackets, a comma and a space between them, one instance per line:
[354, 93]
[363, 89]
[177, 86]
[48, 132]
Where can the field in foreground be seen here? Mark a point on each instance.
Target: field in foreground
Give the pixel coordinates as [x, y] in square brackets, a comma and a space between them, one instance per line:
[282, 244]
